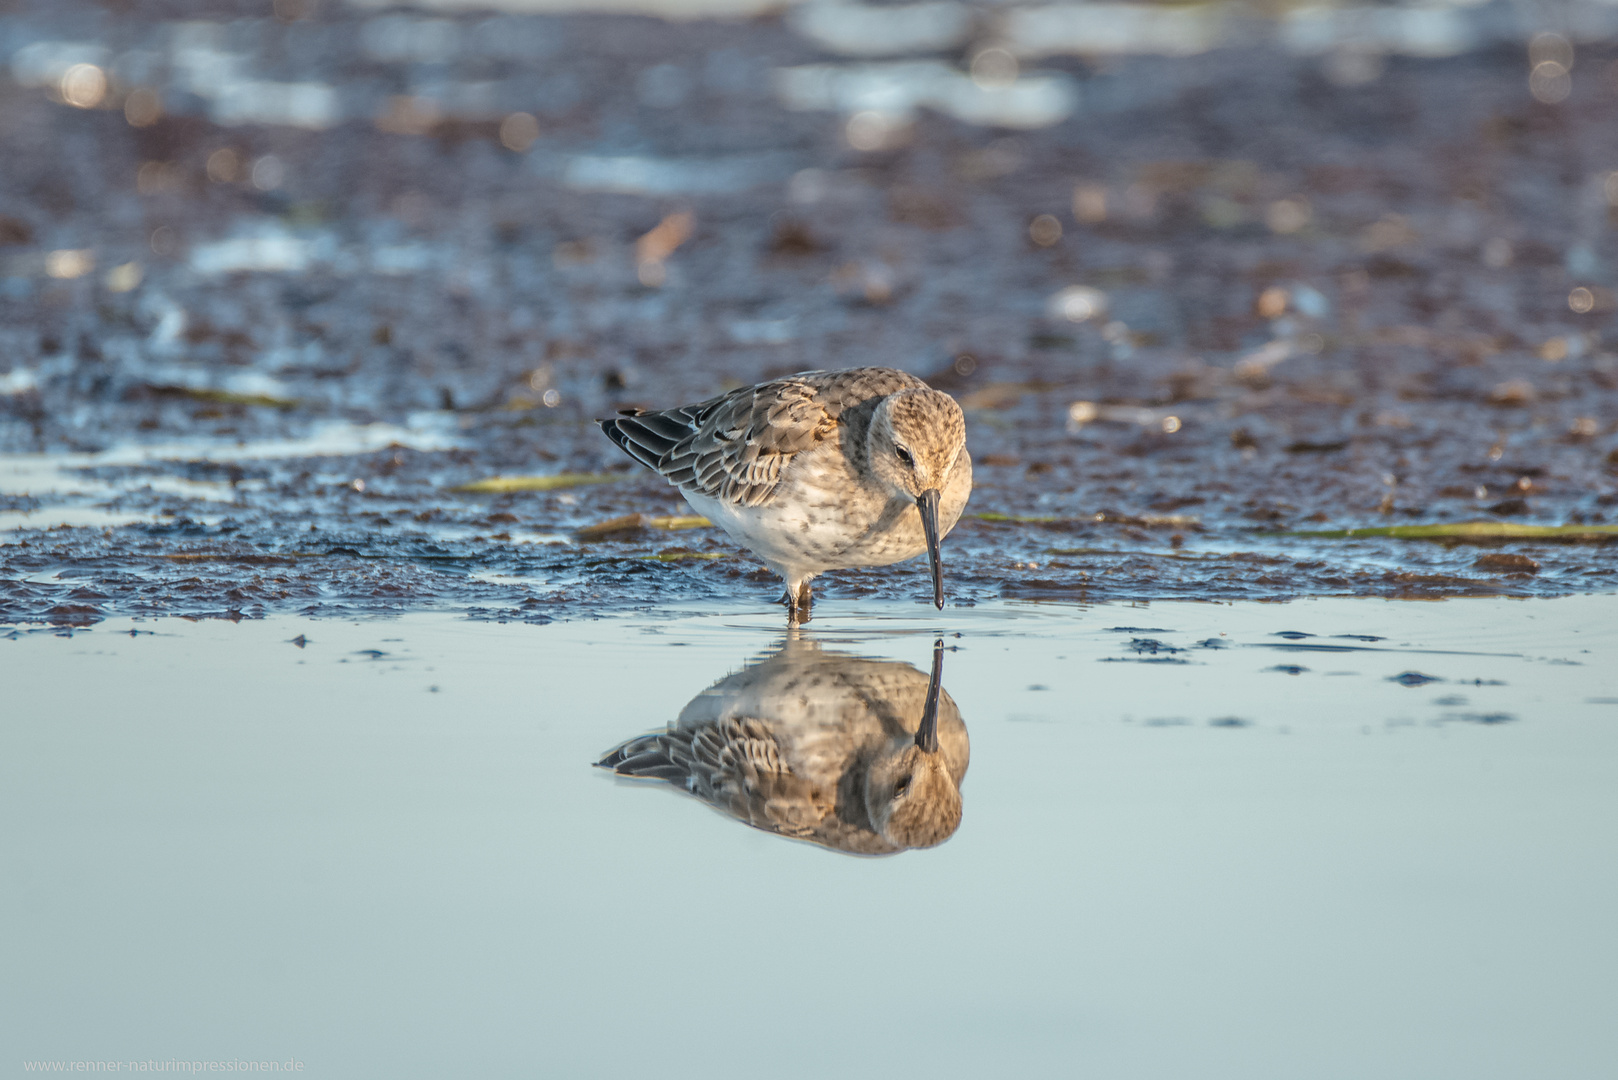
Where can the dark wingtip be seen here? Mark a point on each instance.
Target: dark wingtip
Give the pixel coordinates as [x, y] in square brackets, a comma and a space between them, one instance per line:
[615, 430]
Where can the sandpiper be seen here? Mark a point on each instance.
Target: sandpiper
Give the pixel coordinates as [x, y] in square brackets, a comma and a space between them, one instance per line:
[817, 471]
[863, 756]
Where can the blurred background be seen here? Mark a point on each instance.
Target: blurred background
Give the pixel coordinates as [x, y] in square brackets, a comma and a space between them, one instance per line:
[272, 272]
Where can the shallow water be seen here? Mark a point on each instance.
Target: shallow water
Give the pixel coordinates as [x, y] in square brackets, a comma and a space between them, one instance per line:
[1333, 838]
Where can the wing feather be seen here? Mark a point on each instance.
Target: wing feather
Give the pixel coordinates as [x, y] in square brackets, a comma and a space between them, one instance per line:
[735, 764]
[737, 446]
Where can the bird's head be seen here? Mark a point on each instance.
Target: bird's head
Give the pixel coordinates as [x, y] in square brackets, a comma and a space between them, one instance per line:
[916, 443]
[912, 798]
[917, 437]
[911, 794]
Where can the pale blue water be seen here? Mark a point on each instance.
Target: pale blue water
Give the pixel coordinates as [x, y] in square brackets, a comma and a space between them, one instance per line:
[220, 846]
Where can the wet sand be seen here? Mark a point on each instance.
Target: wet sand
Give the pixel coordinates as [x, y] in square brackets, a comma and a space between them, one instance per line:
[1276, 302]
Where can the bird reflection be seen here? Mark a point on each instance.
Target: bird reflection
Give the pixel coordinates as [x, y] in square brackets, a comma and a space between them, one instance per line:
[863, 756]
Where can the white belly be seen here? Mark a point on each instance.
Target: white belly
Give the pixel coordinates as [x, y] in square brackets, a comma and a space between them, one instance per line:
[798, 538]
[819, 521]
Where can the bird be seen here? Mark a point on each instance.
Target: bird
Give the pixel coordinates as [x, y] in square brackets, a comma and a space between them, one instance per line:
[857, 755]
[822, 470]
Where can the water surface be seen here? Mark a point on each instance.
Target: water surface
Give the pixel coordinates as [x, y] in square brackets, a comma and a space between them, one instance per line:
[1193, 842]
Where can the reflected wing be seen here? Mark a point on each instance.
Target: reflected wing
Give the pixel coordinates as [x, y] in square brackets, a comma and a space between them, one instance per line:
[735, 447]
[737, 765]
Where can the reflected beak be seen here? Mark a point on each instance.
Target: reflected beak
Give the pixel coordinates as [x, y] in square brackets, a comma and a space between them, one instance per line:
[927, 733]
[927, 503]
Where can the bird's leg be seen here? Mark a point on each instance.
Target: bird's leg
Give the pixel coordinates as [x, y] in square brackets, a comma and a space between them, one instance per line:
[798, 601]
[790, 599]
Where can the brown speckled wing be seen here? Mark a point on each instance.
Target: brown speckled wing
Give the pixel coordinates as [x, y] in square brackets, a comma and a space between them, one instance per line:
[736, 446]
[747, 777]
[736, 765]
[753, 783]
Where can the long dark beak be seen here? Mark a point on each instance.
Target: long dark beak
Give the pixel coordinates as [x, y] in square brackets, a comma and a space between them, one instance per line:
[927, 733]
[927, 503]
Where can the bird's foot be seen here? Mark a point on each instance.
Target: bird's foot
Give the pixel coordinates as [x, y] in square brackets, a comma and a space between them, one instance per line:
[798, 607]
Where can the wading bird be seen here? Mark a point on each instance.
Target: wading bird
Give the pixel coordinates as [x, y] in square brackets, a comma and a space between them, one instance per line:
[818, 471]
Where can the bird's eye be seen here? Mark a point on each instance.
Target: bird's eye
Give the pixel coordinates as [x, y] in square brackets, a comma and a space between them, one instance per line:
[904, 455]
[901, 787]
